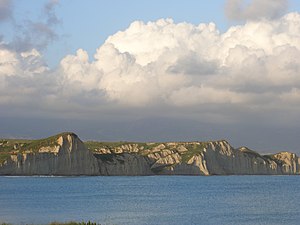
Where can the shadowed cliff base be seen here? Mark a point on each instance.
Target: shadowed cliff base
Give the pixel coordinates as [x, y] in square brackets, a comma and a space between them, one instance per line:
[65, 154]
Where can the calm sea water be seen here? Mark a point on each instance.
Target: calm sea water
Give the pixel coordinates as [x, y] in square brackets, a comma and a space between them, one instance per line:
[152, 200]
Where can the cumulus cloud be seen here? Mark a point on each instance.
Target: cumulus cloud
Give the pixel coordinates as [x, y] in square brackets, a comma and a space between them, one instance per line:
[166, 67]
[197, 62]
[20, 77]
[23, 64]
[255, 9]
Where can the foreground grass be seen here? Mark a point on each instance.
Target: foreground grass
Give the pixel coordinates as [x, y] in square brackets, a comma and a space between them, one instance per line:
[75, 223]
[66, 223]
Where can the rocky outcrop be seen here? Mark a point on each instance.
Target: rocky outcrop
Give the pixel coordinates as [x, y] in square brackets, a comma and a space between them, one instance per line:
[222, 159]
[66, 154]
[289, 162]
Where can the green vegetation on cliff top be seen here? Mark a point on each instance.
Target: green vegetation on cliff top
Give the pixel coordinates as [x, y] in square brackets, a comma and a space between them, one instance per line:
[15, 146]
[94, 146]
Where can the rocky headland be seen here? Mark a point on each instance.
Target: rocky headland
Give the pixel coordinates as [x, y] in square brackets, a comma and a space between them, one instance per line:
[65, 154]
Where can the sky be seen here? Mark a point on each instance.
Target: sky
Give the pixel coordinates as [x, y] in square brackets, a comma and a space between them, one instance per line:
[152, 71]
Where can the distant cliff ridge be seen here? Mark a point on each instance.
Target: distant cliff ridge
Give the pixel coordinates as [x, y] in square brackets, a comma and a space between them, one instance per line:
[65, 154]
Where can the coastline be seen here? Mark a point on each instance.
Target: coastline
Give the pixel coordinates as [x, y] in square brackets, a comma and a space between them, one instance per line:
[66, 155]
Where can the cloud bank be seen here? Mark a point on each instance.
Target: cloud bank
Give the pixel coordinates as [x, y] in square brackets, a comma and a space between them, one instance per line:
[163, 67]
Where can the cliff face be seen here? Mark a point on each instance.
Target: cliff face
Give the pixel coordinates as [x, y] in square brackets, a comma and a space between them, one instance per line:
[124, 164]
[66, 154]
[192, 158]
[221, 159]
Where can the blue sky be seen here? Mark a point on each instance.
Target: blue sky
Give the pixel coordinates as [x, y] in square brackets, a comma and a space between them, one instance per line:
[152, 70]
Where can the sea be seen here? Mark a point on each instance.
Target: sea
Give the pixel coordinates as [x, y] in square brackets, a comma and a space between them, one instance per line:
[151, 200]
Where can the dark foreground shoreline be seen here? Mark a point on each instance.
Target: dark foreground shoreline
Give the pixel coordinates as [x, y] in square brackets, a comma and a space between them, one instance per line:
[64, 223]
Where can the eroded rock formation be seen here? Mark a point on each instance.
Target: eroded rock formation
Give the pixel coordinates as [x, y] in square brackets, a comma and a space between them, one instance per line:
[66, 154]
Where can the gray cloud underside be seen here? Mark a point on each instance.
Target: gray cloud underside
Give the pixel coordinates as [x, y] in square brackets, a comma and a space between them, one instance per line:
[255, 9]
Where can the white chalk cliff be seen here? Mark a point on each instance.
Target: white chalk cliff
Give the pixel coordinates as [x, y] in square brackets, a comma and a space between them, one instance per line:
[66, 154]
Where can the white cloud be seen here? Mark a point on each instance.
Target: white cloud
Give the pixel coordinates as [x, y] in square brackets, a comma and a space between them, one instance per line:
[147, 42]
[8, 62]
[76, 71]
[22, 64]
[21, 78]
[124, 80]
